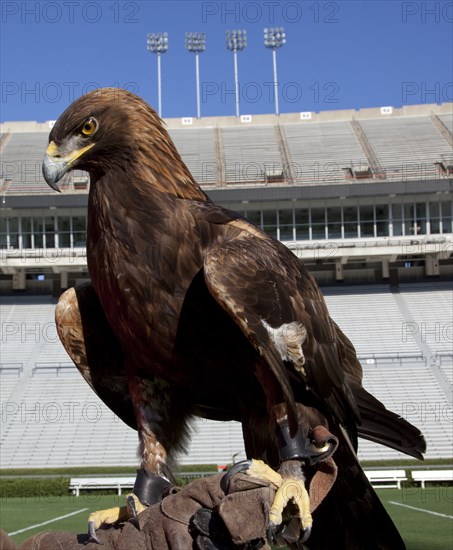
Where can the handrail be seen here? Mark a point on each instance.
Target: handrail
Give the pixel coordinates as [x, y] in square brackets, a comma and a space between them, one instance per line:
[17, 367]
[41, 366]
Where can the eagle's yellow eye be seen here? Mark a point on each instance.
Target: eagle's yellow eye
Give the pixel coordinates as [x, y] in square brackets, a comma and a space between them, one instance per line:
[89, 126]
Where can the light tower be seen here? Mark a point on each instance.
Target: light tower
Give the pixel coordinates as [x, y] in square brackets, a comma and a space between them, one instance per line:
[274, 38]
[236, 42]
[196, 43]
[158, 44]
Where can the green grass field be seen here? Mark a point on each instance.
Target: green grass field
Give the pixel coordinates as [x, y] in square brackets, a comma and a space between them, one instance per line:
[430, 526]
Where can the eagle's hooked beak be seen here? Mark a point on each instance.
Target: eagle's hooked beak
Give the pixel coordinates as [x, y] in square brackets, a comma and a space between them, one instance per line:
[57, 162]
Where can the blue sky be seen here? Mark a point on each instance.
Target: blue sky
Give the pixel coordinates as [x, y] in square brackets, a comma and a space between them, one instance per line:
[339, 55]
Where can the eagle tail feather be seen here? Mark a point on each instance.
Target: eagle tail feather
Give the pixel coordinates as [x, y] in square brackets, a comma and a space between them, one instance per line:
[386, 427]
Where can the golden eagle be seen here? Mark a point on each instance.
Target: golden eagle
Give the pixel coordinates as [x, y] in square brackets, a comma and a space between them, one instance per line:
[194, 311]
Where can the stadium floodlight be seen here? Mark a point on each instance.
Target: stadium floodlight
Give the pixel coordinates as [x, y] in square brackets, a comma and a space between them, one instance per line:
[236, 42]
[196, 43]
[275, 37]
[158, 43]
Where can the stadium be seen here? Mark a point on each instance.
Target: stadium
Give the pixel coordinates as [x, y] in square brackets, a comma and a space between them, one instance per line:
[362, 197]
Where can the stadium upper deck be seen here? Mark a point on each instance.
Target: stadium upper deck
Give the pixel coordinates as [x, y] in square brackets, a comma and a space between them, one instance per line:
[370, 145]
[359, 195]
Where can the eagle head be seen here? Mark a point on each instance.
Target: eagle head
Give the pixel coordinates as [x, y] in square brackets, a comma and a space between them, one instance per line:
[96, 133]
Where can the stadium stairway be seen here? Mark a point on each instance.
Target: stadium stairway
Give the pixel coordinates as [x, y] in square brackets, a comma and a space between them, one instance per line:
[421, 338]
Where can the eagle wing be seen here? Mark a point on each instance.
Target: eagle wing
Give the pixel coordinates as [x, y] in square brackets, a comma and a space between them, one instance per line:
[261, 284]
[90, 342]
[277, 305]
[93, 347]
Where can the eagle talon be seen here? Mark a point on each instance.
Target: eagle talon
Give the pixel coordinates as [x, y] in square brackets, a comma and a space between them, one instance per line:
[274, 535]
[114, 516]
[282, 535]
[130, 502]
[92, 537]
[134, 508]
[291, 490]
[279, 532]
[237, 468]
[306, 534]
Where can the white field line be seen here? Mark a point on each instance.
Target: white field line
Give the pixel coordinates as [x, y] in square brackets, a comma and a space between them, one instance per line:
[421, 510]
[48, 521]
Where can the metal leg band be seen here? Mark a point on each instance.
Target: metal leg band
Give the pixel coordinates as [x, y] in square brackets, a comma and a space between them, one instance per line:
[149, 487]
[318, 446]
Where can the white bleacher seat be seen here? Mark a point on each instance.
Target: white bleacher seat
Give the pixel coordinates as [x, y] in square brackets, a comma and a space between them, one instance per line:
[432, 475]
[386, 479]
[197, 149]
[371, 318]
[320, 151]
[432, 307]
[406, 147]
[249, 152]
[93, 483]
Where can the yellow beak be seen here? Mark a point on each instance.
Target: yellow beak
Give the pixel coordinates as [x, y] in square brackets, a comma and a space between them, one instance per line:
[55, 164]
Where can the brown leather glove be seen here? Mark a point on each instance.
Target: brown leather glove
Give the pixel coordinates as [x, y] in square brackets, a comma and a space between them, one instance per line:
[199, 516]
[191, 517]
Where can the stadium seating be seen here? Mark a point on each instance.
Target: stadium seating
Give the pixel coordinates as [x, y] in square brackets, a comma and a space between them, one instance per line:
[7, 387]
[373, 318]
[248, 152]
[198, 152]
[25, 324]
[21, 158]
[22, 155]
[320, 152]
[52, 418]
[434, 313]
[407, 148]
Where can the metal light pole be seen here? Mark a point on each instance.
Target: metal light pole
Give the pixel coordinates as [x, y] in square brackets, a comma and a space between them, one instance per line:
[196, 43]
[236, 42]
[158, 44]
[274, 38]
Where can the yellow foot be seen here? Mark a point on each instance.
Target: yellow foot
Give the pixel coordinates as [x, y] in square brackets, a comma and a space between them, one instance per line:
[111, 516]
[292, 490]
[289, 489]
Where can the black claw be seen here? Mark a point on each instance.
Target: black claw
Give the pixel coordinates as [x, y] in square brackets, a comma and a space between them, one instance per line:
[291, 530]
[274, 535]
[306, 534]
[235, 469]
[92, 534]
[285, 534]
[205, 543]
[133, 511]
